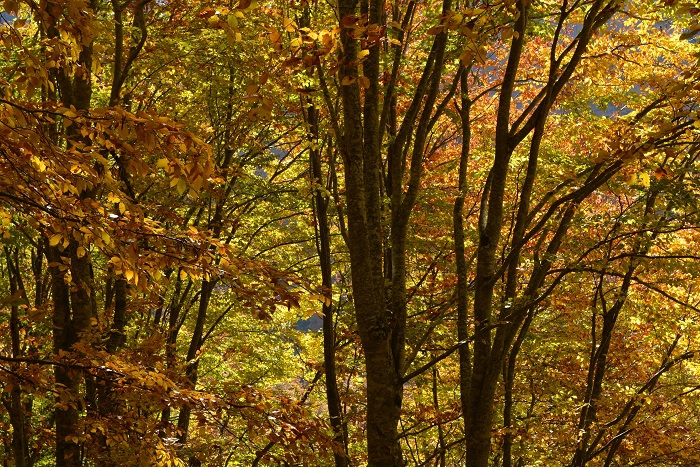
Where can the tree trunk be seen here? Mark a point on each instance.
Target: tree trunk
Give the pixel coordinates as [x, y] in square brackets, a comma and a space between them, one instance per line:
[463, 333]
[323, 247]
[15, 407]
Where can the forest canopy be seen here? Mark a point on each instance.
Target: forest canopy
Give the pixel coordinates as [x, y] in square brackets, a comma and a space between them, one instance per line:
[350, 233]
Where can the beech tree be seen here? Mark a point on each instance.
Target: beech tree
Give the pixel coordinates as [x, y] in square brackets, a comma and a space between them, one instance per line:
[490, 210]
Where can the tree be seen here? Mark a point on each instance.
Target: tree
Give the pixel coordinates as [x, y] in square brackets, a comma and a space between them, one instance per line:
[494, 197]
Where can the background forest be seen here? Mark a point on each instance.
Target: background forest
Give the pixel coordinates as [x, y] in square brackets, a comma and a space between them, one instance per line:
[367, 232]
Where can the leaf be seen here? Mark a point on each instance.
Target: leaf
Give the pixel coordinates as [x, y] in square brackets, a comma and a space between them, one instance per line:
[362, 54]
[644, 180]
[10, 6]
[348, 80]
[289, 25]
[348, 20]
[70, 113]
[506, 33]
[80, 252]
[466, 57]
[247, 5]
[660, 173]
[181, 186]
[481, 55]
[55, 239]
[364, 82]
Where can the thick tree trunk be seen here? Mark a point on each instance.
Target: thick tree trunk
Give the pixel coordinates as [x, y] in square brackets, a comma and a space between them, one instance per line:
[362, 178]
[71, 318]
[381, 315]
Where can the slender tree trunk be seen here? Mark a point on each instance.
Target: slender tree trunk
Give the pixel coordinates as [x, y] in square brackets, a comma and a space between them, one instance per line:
[463, 333]
[65, 332]
[183, 421]
[323, 247]
[15, 406]
[74, 303]
[490, 352]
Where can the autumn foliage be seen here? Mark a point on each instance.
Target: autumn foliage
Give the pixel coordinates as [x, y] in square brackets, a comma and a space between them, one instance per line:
[349, 233]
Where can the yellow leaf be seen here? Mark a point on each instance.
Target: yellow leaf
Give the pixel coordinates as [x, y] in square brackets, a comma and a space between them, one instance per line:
[289, 24]
[347, 80]
[466, 57]
[506, 33]
[364, 82]
[481, 54]
[644, 180]
[362, 54]
[80, 252]
[181, 186]
[55, 239]
[105, 237]
[129, 274]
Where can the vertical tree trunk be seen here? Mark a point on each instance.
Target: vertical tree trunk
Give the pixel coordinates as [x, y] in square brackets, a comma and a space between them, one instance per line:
[381, 313]
[65, 334]
[463, 333]
[323, 247]
[15, 407]
[74, 304]
[364, 235]
[183, 421]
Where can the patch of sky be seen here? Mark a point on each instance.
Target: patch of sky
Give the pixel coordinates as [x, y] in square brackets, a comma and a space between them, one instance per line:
[279, 153]
[311, 324]
[610, 111]
[6, 18]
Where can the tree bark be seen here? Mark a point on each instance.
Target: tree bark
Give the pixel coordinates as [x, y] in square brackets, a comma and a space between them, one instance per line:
[15, 406]
[323, 248]
[381, 312]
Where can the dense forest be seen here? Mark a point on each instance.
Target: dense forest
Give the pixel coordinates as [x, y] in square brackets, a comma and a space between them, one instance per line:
[346, 233]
